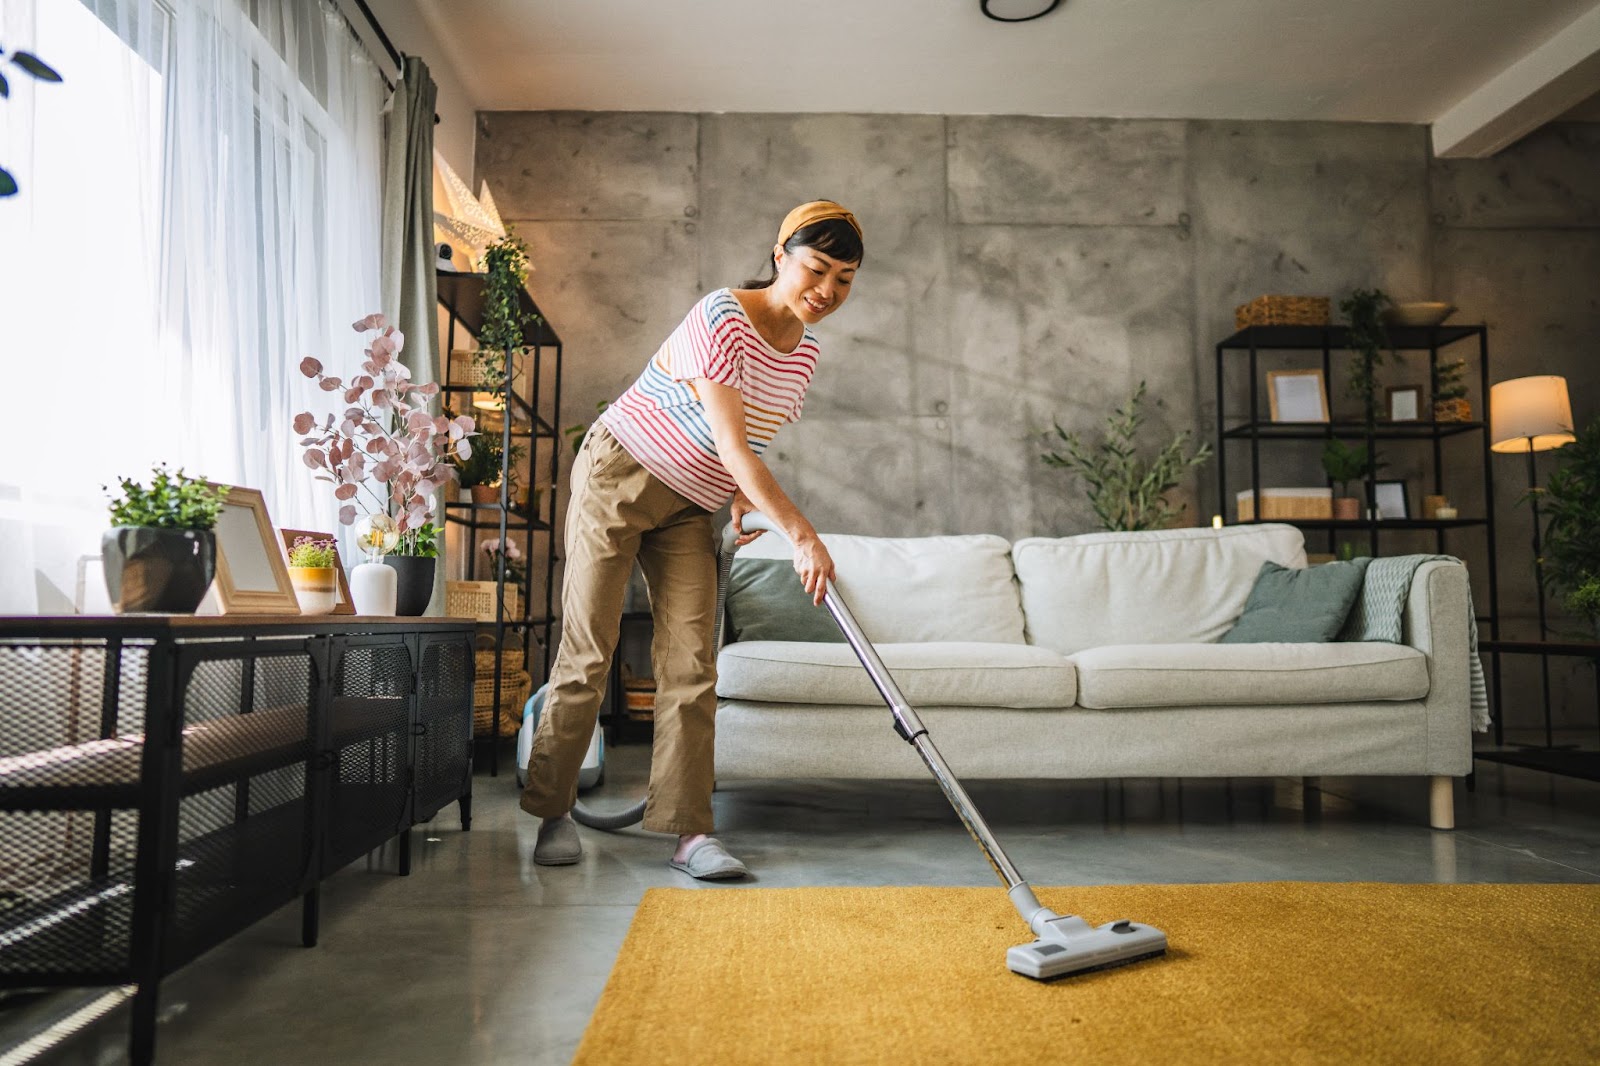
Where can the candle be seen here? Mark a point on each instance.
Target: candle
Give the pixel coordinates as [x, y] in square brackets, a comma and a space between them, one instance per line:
[1216, 521]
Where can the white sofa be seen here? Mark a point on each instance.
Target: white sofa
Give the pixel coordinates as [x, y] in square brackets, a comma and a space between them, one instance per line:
[1096, 656]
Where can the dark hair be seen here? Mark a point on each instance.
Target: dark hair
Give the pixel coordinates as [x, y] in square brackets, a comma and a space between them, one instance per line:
[831, 236]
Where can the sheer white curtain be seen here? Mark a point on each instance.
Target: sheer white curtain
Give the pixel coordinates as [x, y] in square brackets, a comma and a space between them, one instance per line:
[199, 211]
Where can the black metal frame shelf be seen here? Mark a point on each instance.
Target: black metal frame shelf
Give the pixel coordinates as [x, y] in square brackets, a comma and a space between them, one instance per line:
[1350, 430]
[532, 418]
[1253, 342]
[176, 779]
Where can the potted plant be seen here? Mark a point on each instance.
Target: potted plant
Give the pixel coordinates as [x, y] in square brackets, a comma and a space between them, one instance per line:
[160, 553]
[385, 436]
[505, 264]
[312, 564]
[1127, 491]
[1570, 500]
[1363, 309]
[1344, 464]
[1450, 403]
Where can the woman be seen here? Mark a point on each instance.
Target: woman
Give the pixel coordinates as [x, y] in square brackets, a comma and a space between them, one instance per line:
[686, 437]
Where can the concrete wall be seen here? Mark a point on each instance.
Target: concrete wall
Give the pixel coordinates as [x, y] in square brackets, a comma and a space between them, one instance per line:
[1023, 270]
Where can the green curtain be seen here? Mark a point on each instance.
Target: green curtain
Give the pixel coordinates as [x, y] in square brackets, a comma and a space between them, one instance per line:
[409, 291]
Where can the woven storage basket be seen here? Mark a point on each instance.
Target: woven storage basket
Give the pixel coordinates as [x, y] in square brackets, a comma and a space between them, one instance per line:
[465, 369]
[514, 688]
[475, 599]
[1458, 410]
[1282, 311]
[1281, 504]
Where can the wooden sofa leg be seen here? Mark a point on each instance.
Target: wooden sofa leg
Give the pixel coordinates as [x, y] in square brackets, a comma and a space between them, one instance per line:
[1442, 803]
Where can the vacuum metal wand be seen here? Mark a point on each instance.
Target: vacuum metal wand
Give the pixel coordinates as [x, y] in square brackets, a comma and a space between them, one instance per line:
[1066, 944]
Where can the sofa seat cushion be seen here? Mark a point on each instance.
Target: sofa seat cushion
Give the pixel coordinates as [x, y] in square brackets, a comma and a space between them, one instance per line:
[932, 674]
[1197, 675]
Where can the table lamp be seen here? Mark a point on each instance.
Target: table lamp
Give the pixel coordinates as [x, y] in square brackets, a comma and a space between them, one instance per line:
[1529, 415]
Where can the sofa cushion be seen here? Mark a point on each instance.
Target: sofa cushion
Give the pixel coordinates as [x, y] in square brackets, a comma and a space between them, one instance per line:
[908, 589]
[1199, 675]
[766, 601]
[1306, 605]
[1167, 586]
[937, 674]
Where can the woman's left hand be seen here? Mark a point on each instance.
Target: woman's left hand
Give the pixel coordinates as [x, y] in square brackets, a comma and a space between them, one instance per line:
[740, 507]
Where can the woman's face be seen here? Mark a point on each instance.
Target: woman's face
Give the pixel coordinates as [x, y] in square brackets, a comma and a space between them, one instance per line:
[810, 283]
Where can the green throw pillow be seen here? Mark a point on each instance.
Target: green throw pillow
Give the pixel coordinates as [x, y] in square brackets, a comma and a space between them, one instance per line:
[1303, 606]
[767, 602]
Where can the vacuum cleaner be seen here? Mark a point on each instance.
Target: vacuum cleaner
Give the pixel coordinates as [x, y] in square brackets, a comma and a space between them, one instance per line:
[1066, 944]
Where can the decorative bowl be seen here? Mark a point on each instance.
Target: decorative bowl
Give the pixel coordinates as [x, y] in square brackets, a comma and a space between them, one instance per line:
[1418, 314]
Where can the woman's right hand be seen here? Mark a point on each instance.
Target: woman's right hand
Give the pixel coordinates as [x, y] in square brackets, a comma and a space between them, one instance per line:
[814, 565]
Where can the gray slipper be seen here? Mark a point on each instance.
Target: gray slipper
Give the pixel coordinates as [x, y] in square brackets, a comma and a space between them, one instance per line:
[557, 844]
[710, 861]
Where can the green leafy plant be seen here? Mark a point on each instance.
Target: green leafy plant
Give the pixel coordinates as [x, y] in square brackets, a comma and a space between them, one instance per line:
[504, 321]
[36, 68]
[172, 500]
[1585, 599]
[1363, 309]
[1570, 502]
[1126, 490]
[1349, 550]
[483, 467]
[312, 552]
[1345, 463]
[1449, 381]
[422, 542]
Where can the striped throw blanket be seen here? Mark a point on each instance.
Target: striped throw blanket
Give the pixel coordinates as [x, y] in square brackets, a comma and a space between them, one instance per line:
[1378, 609]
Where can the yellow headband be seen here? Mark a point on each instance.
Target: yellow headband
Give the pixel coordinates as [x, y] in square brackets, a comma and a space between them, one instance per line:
[815, 211]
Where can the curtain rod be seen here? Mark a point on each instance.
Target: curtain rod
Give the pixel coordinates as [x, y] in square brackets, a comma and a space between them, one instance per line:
[388, 46]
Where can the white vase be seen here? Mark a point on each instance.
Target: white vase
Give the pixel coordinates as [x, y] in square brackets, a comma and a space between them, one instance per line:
[373, 589]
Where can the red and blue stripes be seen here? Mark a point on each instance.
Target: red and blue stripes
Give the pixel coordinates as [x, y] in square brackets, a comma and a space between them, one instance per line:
[661, 421]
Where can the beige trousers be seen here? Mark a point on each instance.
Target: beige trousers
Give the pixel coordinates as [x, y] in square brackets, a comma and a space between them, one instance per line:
[620, 511]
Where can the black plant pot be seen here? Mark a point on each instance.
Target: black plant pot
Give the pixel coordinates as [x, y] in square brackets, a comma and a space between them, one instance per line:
[414, 583]
[156, 570]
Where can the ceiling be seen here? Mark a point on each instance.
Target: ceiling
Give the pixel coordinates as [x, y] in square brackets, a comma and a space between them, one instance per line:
[1342, 60]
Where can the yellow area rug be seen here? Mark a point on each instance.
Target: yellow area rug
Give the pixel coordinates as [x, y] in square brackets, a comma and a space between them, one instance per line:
[1278, 972]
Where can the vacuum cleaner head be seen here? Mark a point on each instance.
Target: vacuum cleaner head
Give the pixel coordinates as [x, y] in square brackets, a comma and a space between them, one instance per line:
[1069, 945]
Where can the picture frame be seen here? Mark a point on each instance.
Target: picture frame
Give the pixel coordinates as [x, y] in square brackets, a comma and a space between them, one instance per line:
[289, 536]
[252, 573]
[1390, 500]
[1297, 396]
[1405, 403]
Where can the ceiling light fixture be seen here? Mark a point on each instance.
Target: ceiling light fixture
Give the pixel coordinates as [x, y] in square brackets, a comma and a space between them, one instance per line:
[983, 5]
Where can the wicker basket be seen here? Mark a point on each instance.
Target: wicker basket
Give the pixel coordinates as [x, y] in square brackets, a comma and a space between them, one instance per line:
[639, 698]
[516, 684]
[465, 368]
[475, 599]
[514, 688]
[1282, 311]
[1282, 504]
[1457, 410]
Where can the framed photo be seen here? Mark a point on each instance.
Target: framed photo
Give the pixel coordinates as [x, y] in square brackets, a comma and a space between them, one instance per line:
[1390, 498]
[1405, 403]
[1297, 395]
[252, 576]
[289, 536]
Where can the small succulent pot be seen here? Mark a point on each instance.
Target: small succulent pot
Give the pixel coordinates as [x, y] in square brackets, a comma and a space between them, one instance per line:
[414, 583]
[1457, 410]
[1346, 509]
[155, 570]
[485, 493]
[316, 588]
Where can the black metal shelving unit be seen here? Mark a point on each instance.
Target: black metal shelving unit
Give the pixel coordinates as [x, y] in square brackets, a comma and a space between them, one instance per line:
[1253, 342]
[528, 418]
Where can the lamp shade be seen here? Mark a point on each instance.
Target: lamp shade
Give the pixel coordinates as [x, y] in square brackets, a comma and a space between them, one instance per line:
[1530, 414]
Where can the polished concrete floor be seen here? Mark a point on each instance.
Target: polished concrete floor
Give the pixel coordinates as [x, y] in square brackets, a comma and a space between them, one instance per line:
[481, 957]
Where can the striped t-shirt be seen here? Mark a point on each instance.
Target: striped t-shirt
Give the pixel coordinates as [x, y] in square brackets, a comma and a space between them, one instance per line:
[661, 421]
